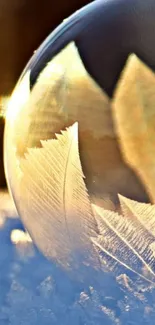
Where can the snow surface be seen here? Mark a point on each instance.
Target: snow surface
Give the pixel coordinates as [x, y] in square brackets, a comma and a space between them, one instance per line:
[33, 291]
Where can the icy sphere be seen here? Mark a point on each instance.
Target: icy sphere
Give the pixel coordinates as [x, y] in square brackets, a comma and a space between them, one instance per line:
[61, 135]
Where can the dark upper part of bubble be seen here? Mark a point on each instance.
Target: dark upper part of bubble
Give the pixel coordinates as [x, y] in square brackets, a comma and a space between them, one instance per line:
[105, 32]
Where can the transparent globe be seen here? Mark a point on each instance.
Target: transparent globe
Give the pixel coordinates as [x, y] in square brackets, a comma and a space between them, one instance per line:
[74, 140]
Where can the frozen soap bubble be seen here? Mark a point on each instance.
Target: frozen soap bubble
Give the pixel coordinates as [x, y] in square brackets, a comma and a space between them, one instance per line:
[76, 131]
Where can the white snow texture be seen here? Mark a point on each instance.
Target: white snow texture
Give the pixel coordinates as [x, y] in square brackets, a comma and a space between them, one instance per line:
[33, 291]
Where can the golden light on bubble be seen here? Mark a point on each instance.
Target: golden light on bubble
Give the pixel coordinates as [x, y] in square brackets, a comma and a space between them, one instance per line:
[19, 97]
[70, 151]
[4, 100]
[134, 116]
[64, 94]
